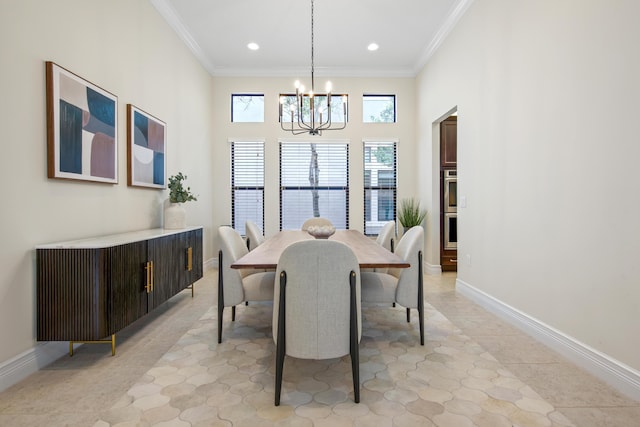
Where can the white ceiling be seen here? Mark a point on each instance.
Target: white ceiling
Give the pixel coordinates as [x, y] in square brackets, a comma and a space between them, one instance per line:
[218, 31]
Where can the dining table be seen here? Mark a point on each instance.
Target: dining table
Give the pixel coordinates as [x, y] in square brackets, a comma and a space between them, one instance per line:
[367, 251]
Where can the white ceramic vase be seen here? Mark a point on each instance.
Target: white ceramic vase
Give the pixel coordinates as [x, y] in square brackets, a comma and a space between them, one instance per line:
[175, 217]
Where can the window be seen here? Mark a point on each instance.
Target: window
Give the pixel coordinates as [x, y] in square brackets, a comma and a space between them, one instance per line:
[247, 184]
[247, 108]
[338, 109]
[314, 181]
[379, 108]
[379, 185]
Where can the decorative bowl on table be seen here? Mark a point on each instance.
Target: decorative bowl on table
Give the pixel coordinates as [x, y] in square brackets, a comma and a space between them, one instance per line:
[321, 231]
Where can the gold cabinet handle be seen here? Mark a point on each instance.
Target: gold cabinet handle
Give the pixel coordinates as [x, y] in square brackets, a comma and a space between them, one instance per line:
[151, 262]
[189, 259]
[149, 269]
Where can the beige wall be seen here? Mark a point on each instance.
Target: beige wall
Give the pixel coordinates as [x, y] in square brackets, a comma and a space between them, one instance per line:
[547, 96]
[403, 131]
[125, 47]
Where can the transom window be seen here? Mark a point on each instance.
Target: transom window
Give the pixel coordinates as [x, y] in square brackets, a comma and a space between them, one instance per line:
[247, 184]
[247, 107]
[314, 182]
[379, 108]
[379, 185]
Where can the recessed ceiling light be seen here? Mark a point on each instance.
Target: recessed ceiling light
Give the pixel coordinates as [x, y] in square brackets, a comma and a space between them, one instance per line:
[373, 46]
[253, 46]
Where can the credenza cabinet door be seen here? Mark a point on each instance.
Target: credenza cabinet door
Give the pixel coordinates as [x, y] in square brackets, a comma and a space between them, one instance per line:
[192, 267]
[167, 255]
[88, 294]
[125, 284]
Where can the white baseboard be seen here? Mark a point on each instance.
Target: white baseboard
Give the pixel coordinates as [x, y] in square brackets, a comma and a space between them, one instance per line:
[31, 361]
[432, 269]
[210, 264]
[617, 374]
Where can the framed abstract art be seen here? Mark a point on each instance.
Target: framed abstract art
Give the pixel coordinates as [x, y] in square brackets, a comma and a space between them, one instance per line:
[146, 149]
[82, 128]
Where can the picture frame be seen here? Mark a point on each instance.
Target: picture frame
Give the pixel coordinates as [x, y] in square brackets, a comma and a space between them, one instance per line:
[82, 128]
[146, 149]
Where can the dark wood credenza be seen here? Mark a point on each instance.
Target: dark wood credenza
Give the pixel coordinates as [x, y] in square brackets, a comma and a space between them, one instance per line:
[87, 290]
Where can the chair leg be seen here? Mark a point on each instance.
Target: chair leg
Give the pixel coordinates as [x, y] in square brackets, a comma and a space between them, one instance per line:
[420, 298]
[281, 336]
[233, 313]
[408, 314]
[220, 297]
[353, 339]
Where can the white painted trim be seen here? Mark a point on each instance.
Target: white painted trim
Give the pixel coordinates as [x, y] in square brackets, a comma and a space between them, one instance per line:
[169, 14]
[319, 140]
[456, 13]
[31, 361]
[617, 374]
[391, 72]
[432, 269]
[244, 139]
[211, 264]
[379, 139]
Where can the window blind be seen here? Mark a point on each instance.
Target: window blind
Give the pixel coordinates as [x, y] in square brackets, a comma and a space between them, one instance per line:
[247, 184]
[314, 181]
[380, 185]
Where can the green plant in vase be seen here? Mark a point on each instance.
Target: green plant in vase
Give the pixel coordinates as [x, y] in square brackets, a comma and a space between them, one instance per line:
[174, 213]
[410, 214]
[177, 192]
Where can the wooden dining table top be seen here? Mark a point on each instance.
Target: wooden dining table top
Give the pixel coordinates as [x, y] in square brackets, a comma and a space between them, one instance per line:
[367, 251]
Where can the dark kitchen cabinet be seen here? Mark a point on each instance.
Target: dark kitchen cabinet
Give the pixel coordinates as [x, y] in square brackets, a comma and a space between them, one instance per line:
[449, 142]
[87, 290]
[448, 208]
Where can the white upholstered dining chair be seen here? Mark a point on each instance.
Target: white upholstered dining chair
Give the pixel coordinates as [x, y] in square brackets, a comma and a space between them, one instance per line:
[315, 221]
[403, 286]
[238, 285]
[387, 236]
[386, 239]
[254, 235]
[316, 308]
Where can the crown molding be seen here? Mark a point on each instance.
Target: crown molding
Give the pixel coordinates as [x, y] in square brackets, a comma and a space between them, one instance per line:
[456, 13]
[319, 72]
[169, 14]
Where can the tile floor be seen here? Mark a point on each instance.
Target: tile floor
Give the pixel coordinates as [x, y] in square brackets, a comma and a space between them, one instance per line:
[169, 370]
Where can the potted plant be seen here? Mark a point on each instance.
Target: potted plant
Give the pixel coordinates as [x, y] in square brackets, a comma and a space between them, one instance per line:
[410, 214]
[175, 216]
[177, 192]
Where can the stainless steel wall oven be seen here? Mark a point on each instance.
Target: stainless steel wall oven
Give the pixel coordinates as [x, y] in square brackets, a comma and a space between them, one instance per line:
[450, 206]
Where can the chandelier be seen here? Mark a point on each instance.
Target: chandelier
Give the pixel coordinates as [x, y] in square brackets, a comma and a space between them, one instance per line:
[311, 112]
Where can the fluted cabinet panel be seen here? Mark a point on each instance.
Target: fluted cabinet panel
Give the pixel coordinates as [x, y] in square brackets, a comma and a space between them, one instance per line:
[89, 293]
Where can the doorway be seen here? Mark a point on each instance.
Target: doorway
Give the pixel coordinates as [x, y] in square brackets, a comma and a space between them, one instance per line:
[448, 193]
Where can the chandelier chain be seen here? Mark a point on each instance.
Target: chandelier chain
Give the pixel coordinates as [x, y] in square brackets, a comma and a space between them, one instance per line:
[312, 64]
[305, 115]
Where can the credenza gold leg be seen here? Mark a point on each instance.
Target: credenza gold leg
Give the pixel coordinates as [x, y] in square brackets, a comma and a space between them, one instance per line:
[111, 341]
